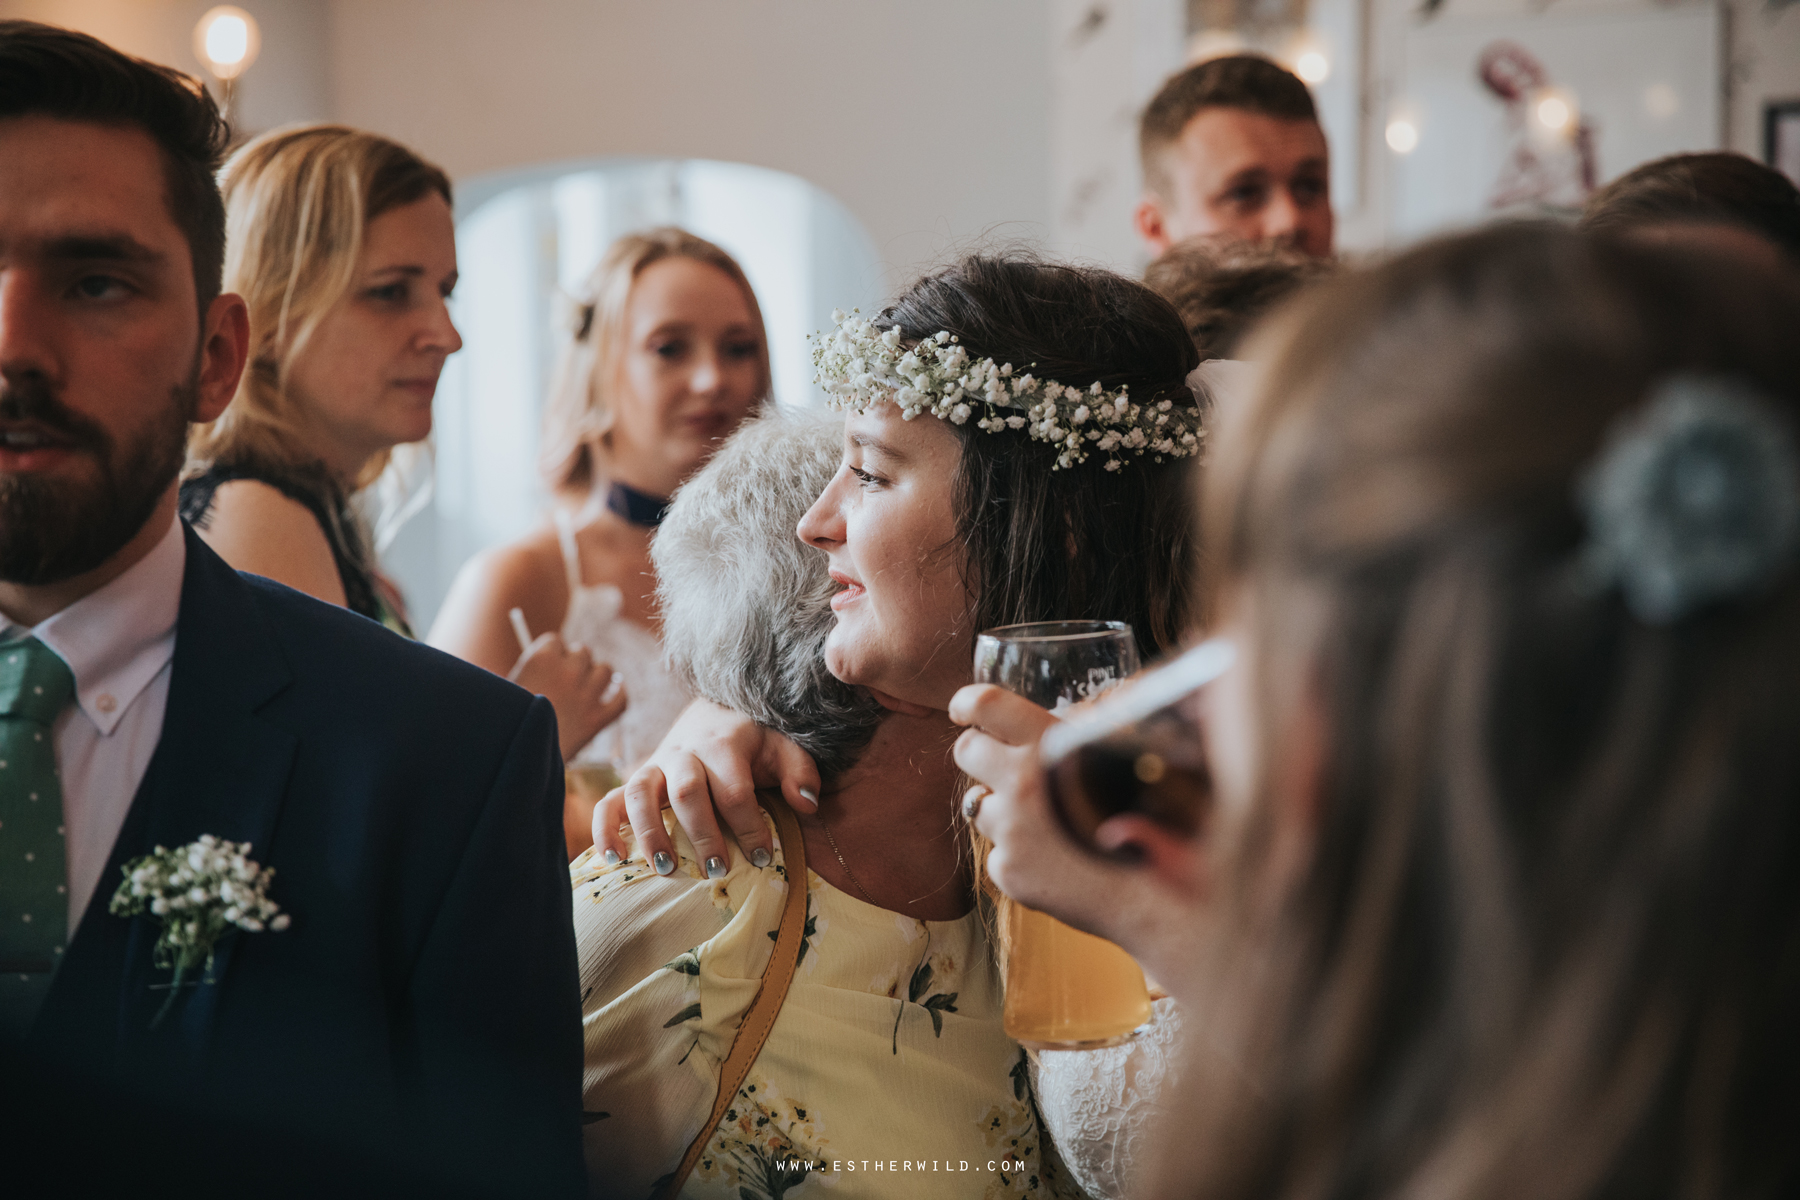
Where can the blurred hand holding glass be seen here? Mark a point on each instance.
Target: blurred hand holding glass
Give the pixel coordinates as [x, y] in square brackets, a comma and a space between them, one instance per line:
[1140, 753]
[1065, 990]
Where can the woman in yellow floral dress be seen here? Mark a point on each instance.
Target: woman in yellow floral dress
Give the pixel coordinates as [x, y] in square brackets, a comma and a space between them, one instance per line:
[888, 1063]
[888, 1072]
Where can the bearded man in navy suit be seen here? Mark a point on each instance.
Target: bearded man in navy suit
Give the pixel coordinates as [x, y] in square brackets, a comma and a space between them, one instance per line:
[421, 1010]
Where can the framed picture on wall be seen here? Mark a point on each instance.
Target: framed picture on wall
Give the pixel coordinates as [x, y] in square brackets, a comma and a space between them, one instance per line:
[1526, 114]
[1781, 137]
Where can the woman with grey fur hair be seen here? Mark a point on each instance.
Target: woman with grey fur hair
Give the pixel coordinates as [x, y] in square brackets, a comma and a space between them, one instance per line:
[889, 1042]
[746, 606]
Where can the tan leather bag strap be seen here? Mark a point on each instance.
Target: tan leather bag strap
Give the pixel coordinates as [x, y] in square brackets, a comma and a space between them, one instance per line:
[754, 1029]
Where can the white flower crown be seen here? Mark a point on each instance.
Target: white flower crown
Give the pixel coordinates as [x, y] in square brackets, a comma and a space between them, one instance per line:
[860, 365]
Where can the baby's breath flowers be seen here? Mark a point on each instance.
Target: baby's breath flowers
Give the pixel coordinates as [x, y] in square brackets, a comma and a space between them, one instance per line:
[199, 892]
[860, 365]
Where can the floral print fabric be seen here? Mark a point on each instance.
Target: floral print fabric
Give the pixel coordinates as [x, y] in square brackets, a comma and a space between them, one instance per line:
[887, 1072]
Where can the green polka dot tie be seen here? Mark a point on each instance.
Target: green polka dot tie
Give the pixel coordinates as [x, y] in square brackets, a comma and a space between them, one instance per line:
[35, 686]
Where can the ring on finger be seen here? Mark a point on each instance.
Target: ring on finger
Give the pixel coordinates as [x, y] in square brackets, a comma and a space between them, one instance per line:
[971, 804]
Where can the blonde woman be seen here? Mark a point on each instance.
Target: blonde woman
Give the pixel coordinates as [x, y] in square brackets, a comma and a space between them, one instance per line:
[343, 247]
[666, 358]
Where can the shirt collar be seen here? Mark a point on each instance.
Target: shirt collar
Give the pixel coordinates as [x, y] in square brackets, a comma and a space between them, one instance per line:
[116, 639]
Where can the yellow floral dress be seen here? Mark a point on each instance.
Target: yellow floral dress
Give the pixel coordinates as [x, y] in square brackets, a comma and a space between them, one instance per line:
[887, 1073]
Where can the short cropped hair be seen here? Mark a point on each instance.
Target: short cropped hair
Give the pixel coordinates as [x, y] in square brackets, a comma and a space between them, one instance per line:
[1248, 82]
[1718, 187]
[746, 606]
[51, 72]
[1222, 288]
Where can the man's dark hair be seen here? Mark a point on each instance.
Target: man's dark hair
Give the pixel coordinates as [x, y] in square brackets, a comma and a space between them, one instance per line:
[1248, 82]
[1222, 288]
[1716, 188]
[51, 72]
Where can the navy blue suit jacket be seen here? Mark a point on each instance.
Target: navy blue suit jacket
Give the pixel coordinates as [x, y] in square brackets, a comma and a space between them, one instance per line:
[422, 1010]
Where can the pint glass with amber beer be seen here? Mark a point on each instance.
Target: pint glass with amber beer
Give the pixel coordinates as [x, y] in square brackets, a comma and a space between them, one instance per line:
[1065, 990]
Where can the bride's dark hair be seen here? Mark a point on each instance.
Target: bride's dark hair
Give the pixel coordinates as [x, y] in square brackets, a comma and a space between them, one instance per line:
[1082, 542]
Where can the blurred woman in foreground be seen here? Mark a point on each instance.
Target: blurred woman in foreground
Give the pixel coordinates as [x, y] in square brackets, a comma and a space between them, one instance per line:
[1499, 893]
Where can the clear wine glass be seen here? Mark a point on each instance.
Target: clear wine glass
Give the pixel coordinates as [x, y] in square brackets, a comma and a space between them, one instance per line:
[1055, 664]
[1065, 990]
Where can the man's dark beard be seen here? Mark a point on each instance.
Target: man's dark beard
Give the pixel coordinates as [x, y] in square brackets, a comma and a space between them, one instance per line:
[56, 529]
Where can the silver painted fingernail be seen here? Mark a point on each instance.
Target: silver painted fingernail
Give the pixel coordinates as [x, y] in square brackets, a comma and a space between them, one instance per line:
[611, 857]
[760, 857]
[715, 868]
[811, 796]
[663, 863]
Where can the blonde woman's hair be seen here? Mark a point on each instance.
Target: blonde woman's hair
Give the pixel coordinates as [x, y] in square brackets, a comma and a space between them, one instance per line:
[298, 202]
[580, 411]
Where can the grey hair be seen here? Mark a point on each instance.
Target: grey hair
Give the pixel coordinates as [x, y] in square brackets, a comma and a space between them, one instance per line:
[746, 606]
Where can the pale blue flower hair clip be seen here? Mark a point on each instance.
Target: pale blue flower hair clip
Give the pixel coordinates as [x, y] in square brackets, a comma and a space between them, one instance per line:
[1694, 498]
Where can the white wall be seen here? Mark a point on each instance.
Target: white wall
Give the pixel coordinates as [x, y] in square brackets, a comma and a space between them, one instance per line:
[1764, 66]
[1749, 51]
[936, 122]
[928, 119]
[1106, 62]
[288, 82]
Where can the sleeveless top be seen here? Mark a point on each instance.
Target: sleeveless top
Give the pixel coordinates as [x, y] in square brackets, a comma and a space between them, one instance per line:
[366, 591]
[654, 698]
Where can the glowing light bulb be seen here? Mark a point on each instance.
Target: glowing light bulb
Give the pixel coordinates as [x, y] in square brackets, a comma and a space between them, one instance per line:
[1313, 67]
[227, 40]
[1553, 113]
[1402, 136]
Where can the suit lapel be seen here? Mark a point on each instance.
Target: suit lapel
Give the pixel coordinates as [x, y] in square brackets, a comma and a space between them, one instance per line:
[218, 768]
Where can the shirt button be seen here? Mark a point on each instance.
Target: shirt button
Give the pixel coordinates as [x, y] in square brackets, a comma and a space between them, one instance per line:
[105, 703]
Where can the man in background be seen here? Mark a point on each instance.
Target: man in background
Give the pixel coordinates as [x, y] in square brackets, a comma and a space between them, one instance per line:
[1232, 147]
[419, 1017]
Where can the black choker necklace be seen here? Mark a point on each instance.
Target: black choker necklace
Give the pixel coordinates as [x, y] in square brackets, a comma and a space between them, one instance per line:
[640, 508]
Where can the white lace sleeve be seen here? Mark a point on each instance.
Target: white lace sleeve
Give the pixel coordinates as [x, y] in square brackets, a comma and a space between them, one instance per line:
[1101, 1106]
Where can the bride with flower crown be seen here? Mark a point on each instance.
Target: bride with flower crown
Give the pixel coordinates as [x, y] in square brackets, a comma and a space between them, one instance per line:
[1044, 477]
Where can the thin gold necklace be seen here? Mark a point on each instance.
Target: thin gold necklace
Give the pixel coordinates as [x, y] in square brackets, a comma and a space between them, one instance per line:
[854, 881]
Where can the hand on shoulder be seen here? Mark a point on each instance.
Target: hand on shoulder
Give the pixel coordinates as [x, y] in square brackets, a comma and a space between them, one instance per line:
[711, 759]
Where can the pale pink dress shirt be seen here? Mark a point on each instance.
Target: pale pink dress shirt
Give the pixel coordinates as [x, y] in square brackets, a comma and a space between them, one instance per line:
[119, 642]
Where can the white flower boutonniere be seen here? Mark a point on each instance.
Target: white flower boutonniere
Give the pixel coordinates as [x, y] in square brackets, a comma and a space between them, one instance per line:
[200, 892]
